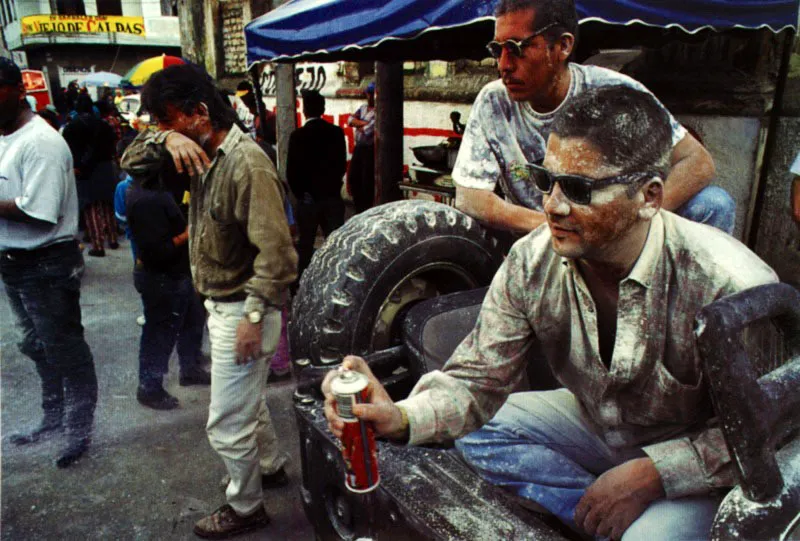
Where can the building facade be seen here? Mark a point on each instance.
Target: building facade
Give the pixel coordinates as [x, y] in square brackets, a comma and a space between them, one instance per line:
[68, 39]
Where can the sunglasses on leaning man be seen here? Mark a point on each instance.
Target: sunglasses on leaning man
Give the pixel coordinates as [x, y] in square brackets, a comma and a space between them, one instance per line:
[578, 188]
[513, 46]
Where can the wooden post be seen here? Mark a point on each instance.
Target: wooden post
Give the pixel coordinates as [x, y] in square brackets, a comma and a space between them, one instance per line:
[388, 131]
[759, 186]
[286, 117]
[255, 75]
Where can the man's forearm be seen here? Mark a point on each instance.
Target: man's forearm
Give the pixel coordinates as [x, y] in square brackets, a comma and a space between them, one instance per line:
[144, 153]
[796, 200]
[275, 265]
[495, 212]
[692, 170]
[693, 464]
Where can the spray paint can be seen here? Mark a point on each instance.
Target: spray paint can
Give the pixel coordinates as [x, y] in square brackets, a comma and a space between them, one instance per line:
[358, 437]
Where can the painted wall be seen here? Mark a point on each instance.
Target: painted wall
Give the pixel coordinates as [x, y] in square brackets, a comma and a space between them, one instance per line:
[733, 143]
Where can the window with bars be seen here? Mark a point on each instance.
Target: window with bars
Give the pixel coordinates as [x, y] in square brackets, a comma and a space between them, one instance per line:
[7, 12]
[169, 8]
[70, 7]
[109, 7]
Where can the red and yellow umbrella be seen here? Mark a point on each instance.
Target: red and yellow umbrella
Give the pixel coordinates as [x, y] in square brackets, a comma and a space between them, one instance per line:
[141, 72]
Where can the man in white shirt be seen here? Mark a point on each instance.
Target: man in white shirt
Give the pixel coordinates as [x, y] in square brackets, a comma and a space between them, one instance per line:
[512, 117]
[41, 265]
[607, 294]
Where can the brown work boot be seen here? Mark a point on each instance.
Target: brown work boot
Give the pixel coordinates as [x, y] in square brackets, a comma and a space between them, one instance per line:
[224, 523]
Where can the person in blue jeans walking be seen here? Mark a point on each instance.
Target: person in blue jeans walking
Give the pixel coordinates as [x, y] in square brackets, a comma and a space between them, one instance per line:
[41, 266]
[120, 213]
[173, 311]
[513, 116]
[606, 295]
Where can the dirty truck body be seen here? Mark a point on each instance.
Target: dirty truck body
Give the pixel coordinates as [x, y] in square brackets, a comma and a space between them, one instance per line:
[384, 286]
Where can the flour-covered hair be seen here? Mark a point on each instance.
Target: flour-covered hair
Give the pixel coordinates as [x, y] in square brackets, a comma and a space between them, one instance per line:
[560, 13]
[629, 127]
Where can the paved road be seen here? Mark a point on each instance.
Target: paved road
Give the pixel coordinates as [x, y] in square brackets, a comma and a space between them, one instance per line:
[150, 475]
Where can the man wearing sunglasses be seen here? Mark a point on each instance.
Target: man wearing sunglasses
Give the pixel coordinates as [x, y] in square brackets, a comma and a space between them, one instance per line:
[512, 117]
[605, 295]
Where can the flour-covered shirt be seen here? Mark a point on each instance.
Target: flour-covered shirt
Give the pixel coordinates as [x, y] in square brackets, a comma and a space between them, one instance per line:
[36, 173]
[653, 395]
[503, 134]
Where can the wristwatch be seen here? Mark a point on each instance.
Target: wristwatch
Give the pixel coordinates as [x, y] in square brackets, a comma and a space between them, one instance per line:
[254, 317]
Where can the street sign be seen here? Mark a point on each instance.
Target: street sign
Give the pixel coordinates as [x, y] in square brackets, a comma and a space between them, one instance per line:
[35, 84]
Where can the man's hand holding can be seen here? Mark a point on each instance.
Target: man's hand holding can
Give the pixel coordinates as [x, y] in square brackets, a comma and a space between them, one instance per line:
[386, 418]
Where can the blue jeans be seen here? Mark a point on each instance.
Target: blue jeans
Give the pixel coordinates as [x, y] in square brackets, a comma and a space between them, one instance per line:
[712, 206]
[43, 288]
[174, 316]
[539, 446]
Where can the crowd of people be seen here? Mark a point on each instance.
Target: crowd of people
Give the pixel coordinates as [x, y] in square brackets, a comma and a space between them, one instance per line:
[627, 449]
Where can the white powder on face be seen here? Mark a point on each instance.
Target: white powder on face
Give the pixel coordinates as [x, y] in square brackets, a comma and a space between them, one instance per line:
[607, 195]
[561, 207]
[647, 213]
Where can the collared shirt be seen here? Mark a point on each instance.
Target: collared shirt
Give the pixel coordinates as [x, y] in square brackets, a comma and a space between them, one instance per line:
[503, 134]
[365, 135]
[239, 239]
[652, 396]
[795, 169]
[36, 172]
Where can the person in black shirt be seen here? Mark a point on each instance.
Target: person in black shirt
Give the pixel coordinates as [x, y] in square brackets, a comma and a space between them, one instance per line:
[174, 314]
[93, 145]
[315, 167]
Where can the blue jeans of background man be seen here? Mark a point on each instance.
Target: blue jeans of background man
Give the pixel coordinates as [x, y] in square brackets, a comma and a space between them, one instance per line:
[174, 316]
[43, 288]
[712, 206]
[540, 447]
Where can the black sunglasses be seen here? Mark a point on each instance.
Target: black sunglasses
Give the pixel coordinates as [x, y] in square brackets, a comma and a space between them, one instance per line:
[577, 188]
[516, 48]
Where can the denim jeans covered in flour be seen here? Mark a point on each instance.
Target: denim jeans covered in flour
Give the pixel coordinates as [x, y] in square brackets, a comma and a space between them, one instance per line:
[239, 427]
[711, 206]
[43, 288]
[539, 447]
[174, 319]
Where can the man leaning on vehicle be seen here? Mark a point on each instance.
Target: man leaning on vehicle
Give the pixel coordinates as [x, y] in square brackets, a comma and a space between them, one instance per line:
[512, 117]
[628, 448]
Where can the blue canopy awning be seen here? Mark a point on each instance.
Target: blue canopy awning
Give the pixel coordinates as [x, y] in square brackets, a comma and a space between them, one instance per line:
[304, 29]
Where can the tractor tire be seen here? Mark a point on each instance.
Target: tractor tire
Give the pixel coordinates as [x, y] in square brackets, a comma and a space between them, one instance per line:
[361, 282]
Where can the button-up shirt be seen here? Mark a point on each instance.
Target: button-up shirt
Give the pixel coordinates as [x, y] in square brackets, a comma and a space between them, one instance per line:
[239, 239]
[366, 134]
[653, 395]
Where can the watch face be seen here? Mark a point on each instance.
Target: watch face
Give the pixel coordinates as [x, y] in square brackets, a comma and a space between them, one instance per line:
[254, 317]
